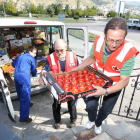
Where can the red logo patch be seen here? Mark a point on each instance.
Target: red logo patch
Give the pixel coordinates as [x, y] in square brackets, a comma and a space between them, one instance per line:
[115, 68]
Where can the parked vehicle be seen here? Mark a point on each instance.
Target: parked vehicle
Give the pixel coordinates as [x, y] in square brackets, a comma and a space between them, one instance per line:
[132, 23]
[138, 25]
[91, 18]
[54, 30]
[26, 31]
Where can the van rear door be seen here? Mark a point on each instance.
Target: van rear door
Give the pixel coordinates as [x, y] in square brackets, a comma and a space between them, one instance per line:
[6, 97]
[77, 40]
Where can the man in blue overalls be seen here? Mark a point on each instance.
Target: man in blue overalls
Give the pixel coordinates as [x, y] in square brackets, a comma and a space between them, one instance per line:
[24, 65]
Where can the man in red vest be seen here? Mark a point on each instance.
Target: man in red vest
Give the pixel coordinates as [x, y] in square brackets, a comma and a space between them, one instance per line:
[114, 56]
[57, 62]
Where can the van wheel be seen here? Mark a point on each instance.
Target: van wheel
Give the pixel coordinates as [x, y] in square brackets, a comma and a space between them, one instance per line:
[133, 27]
[1, 98]
[129, 27]
[138, 28]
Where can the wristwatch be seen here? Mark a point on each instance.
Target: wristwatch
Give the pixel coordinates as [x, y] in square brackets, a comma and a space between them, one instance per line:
[106, 93]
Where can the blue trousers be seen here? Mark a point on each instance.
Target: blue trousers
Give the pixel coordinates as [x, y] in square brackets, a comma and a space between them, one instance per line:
[24, 91]
[106, 108]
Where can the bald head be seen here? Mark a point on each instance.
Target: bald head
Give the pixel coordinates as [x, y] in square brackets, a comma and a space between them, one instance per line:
[60, 48]
[59, 44]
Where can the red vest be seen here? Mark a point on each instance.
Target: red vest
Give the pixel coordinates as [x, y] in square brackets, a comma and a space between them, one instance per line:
[115, 61]
[71, 62]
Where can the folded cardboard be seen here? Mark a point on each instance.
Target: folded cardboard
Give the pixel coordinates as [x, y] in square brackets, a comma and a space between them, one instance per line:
[39, 34]
[3, 51]
[61, 95]
[4, 60]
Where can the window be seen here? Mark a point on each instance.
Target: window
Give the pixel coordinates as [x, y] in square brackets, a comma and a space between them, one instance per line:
[76, 41]
[53, 33]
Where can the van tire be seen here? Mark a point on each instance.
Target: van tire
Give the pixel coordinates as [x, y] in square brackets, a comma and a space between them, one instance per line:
[138, 28]
[129, 27]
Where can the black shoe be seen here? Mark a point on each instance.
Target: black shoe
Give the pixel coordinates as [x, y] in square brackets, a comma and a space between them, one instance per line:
[27, 121]
[31, 104]
[57, 125]
[72, 124]
[67, 111]
[86, 110]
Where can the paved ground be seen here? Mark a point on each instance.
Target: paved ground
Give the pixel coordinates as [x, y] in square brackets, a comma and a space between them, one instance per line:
[41, 112]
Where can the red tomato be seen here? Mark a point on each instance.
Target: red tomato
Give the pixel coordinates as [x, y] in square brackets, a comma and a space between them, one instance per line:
[88, 83]
[74, 86]
[87, 79]
[80, 76]
[82, 84]
[74, 90]
[73, 78]
[93, 77]
[85, 71]
[102, 83]
[66, 75]
[54, 77]
[90, 87]
[94, 81]
[74, 82]
[82, 88]
[86, 75]
[66, 80]
[97, 84]
[59, 76]
[60, 83]
[81, 80]
[59, 80]
[100, 80]
[66, 84]
[79, 72]
[73, 74]
[91, 73]
[66, 88]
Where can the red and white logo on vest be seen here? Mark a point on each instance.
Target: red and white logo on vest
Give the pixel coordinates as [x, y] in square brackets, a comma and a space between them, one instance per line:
[72, 64]
[115, 68]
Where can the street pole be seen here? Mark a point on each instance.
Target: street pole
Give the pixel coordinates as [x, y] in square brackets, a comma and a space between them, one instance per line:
[30, 15]
[4, 10]
[119, 7]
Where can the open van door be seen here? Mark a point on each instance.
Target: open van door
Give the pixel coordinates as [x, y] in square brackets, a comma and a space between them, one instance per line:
[6, 96]
[77, 41]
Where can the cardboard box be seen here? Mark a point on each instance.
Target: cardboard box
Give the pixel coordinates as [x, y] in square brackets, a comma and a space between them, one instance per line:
[25, 46]
[26, 33]
[39, 34]
[2, 45]
[41, 45]
[7, 67]
[3, 51]
[61, 95]
[9, 37]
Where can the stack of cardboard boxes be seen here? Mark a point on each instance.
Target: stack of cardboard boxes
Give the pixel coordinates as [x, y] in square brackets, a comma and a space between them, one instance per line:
[14, 42]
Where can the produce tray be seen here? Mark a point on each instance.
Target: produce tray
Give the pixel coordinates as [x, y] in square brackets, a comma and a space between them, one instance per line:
[39, 42]
[61, 95]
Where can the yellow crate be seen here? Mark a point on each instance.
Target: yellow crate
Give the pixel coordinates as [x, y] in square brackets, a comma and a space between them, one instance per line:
[7, 67]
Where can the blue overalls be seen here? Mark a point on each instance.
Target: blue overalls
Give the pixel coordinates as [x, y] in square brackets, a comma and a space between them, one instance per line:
[24, 64]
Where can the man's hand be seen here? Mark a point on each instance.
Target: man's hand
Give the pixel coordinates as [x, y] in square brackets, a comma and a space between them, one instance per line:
[41, 82]
[100, 91]
[75, 69]
[41, 79]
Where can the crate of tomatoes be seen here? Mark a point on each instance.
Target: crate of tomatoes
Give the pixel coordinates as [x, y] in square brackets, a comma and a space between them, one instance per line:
[69, 86]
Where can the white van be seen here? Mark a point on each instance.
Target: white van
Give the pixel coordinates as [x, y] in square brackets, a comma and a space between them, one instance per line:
[52, 31]
[132, 23]
[138, 25]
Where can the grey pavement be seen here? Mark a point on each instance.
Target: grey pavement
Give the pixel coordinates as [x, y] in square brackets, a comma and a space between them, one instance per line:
[41, 113]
